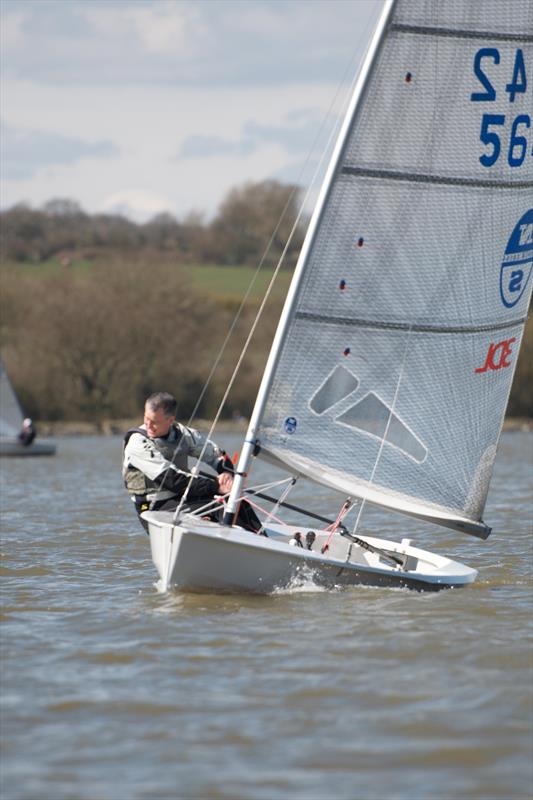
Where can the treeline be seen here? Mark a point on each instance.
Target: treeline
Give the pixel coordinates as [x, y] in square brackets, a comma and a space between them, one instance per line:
[90, 344]
[118, 316]
[237, 235]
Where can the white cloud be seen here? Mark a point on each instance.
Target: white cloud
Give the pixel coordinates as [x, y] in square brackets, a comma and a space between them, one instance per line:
[162, 105]
[293, 136]
[24, 151]
[11, 30]
[202, 146]
[162, 28]
[182, 42]
[136, 204]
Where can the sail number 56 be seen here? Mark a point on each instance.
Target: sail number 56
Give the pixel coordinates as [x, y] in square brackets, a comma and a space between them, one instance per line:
[494, 127]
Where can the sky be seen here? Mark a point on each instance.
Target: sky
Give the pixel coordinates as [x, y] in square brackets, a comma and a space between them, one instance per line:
[146, 106]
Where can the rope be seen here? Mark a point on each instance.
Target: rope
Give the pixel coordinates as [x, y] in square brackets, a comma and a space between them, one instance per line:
[259, 508]
[345, 508]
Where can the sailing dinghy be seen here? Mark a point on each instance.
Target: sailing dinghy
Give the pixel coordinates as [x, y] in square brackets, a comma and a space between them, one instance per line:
[11, 419]
[393, 360]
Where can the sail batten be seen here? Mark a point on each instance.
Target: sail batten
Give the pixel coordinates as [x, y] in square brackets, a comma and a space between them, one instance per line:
[416, 177]
[457, 33]
[402, 326]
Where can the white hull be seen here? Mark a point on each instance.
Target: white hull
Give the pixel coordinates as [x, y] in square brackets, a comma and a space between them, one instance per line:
[202, 556]
[12, 447]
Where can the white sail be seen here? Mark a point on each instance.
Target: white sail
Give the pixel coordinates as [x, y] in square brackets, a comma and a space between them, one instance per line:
[10, 412]
[392, 374]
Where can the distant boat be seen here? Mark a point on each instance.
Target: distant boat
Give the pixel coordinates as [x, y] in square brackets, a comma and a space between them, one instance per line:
[11, 419]
[393, 360]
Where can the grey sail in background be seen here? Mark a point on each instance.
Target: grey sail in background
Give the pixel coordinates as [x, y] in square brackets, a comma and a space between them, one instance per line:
[395, 369]
[10, 412]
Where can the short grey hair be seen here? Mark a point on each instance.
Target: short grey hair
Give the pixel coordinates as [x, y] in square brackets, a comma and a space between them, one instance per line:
[163, 401]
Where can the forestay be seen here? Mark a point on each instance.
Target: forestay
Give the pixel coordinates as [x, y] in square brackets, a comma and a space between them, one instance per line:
[393, 375]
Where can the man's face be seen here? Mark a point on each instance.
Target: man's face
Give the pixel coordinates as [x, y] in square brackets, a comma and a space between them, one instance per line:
[156, 422]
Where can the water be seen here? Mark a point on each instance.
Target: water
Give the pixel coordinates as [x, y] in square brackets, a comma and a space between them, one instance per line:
[112, 691]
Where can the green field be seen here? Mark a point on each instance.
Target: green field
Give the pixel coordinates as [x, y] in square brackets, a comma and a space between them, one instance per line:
[231, 283]
[86, 314]
[224, 284]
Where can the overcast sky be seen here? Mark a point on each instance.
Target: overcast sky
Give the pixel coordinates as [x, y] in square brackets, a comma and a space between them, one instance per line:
[141, 106]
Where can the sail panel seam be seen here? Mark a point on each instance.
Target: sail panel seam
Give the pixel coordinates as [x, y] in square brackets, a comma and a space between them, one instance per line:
[422, 30]
[404, 326]
[413, 177]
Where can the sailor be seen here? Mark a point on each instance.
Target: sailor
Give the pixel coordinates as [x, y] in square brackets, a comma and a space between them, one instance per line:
[155, 466]
[27, 432]
[309, 539]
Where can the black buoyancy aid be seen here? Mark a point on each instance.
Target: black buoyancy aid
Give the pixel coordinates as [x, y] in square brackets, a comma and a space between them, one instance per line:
[172, 447]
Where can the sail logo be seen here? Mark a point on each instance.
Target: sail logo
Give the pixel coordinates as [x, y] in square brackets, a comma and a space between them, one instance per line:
[338, 397]
[517, 265]
[290, 424]
[498, 356]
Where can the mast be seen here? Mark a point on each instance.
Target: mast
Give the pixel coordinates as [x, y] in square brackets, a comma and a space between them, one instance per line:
[250, 442]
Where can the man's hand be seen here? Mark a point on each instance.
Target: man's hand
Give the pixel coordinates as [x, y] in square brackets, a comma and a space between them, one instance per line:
[225, 482]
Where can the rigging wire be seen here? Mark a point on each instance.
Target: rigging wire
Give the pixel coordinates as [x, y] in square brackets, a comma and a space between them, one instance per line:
[250, 287]
[228, 337]
[349, 69]
[243, 352]
[241, 307]
[280, 500]
[383, 440]
[333, 133]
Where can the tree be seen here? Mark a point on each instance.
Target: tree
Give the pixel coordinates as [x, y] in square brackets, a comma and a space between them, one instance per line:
[96, 343]
[63, 207]
[23, 233]
[253, 216]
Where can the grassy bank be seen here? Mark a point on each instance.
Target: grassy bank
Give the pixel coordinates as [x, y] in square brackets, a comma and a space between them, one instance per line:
[220, 283]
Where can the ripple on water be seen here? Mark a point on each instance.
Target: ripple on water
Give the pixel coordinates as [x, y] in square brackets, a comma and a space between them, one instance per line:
[113, 690]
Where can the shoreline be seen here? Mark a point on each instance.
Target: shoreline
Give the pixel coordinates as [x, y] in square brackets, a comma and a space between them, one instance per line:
[119, 427]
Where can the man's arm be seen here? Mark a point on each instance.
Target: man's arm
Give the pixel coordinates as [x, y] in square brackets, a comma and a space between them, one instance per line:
[197, 442]
[144, 456]
[177, 482]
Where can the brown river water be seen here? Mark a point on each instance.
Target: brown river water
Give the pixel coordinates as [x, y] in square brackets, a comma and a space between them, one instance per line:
[112, 691]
